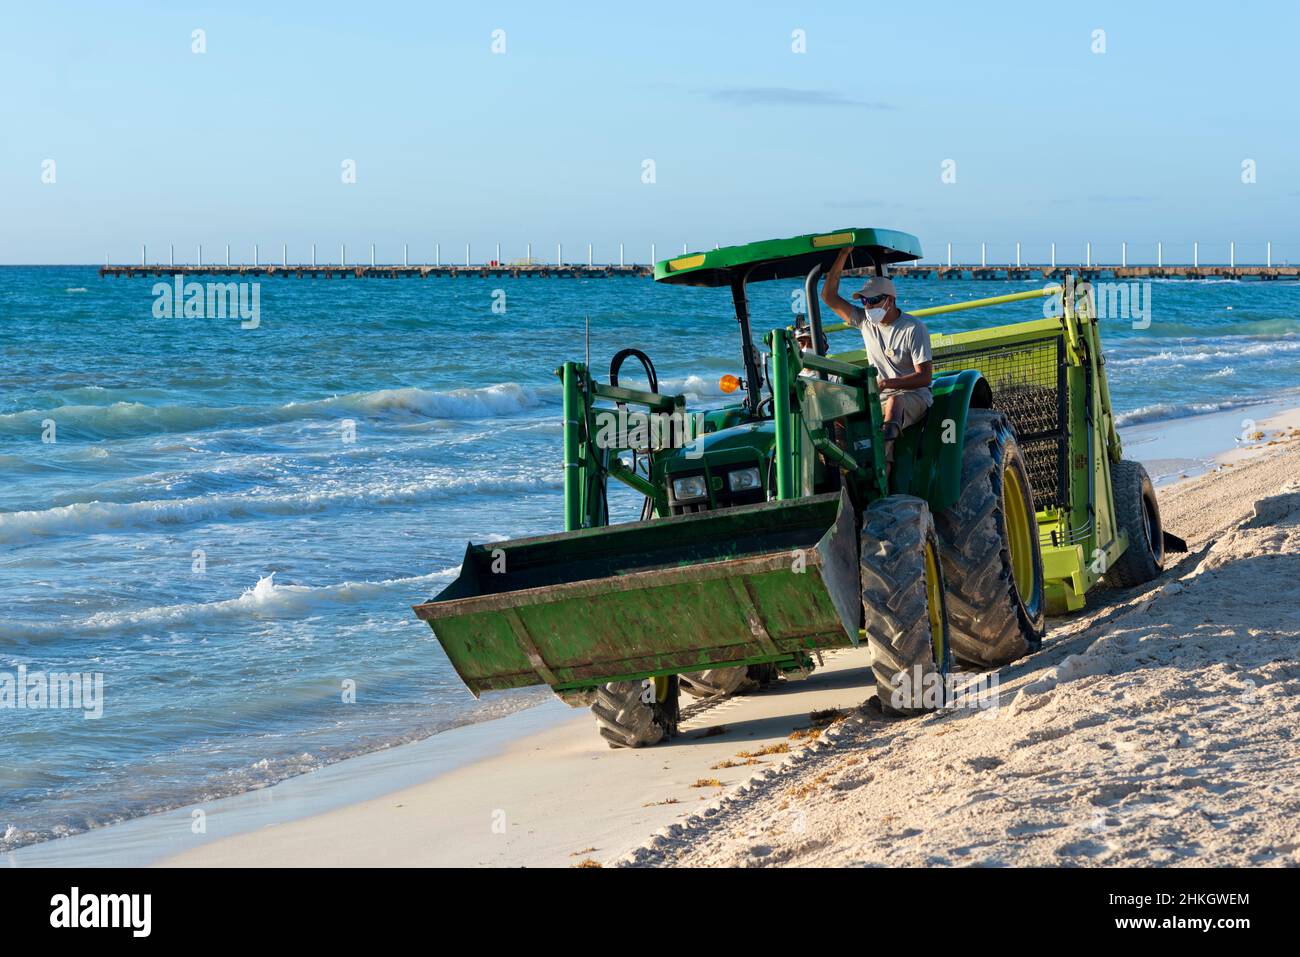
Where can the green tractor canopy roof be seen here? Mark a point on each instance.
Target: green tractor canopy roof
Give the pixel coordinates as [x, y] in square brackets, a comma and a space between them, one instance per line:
[788, 258]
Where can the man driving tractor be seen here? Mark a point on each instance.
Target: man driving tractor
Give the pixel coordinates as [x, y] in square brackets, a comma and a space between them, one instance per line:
[897, 344]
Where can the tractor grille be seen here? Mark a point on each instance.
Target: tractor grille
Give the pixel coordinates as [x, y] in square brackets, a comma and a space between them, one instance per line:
[1028, 382]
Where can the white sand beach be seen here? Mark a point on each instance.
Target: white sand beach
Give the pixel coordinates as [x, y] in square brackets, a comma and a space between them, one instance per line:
[1156, 727]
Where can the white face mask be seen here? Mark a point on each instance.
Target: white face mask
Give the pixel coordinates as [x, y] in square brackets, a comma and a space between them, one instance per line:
[876, 315]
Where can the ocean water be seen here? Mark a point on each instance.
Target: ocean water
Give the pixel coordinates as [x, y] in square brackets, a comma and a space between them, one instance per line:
[230, 525]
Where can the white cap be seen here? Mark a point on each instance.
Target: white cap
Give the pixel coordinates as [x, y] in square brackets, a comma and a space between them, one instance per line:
[877, 286]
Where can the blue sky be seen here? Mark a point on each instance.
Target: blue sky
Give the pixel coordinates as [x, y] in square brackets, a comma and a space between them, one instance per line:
[452, 143]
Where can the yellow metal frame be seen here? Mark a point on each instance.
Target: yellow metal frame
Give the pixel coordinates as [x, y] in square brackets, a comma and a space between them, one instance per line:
[1072, 568]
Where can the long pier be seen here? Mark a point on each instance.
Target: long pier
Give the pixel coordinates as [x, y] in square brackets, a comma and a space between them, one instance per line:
[580, 271]
[488, 271]
[1094, 272]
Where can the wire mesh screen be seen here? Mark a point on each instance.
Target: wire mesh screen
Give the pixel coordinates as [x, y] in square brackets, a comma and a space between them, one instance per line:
[1028, 382]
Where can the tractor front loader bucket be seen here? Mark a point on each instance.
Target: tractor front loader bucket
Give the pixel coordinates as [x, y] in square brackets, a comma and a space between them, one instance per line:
[744, 585]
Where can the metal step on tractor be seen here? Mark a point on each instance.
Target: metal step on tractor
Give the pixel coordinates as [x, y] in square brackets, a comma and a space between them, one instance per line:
[772, 527]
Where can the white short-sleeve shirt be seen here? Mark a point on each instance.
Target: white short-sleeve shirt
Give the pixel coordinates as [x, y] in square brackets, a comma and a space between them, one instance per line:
[896, 349]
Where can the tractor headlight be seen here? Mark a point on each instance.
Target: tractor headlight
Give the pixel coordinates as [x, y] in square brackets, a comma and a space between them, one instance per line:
[690, 487]
[742, 480]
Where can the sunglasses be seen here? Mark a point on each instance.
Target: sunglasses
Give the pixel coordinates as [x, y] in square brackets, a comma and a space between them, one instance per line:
[875, 300]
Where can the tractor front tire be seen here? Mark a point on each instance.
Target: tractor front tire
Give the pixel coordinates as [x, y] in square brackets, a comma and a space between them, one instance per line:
[636, 714]
[992, 559]
[1138, 513]
[904, 612]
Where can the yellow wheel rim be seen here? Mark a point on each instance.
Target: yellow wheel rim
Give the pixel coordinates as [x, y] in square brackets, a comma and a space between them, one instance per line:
[1020, 531]
[661, 689]
[934, 604]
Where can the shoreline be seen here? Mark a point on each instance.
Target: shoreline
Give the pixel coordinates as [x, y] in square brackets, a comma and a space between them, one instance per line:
[1193, 445]
[330, 815]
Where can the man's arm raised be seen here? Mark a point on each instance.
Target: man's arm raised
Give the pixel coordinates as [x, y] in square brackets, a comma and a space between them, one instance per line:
[831, 291]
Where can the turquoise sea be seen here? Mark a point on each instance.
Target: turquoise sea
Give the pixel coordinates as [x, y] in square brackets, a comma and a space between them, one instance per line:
[230, 525]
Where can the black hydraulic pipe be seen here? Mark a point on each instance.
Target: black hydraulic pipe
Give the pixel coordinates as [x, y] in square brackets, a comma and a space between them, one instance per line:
[814, 308]
[753, 382]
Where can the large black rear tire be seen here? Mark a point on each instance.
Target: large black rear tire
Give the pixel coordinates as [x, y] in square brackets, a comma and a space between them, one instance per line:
[904, 614]
[635, 714]
[992, 559]
[1138, 513]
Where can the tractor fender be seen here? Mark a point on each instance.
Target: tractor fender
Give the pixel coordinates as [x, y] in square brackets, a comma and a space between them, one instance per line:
[937, 476]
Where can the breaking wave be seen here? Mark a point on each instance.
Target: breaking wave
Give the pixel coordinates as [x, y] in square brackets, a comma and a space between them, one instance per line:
[1173, 410]
[264, 600]
[1205, 350]
[91, 517]
[137, 418]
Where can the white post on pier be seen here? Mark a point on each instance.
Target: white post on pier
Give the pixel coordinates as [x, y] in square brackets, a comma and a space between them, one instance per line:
[950, 255]
[652, 254]
[227, 254]
[254, 255]
[1053, 255]
[467, 255]
[372, 255]
[143, 261]
[1160, 254]
[1269, 256]
[171, 254]
[198, 255]
[313, 255]
[983, 258]
[1088, 254]
[620, 254]
[437, 254]
[559, 255]
[406, 259]
[343, 255]
[284, 255]
[528, 258]
[498, 254]
[589, 262]
[1017, 255]
[1196, 255]
[1232, 254]
[1123, 254]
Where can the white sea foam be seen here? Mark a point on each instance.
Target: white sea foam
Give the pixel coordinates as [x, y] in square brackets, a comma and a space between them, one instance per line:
[265, 600]
[91, 517]
[1174, 410]
[497, 400]
[1204, 351]
[137, 418]
[693, 386]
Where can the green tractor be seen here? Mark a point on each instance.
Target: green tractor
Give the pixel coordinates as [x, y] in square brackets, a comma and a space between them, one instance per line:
[772, 528]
